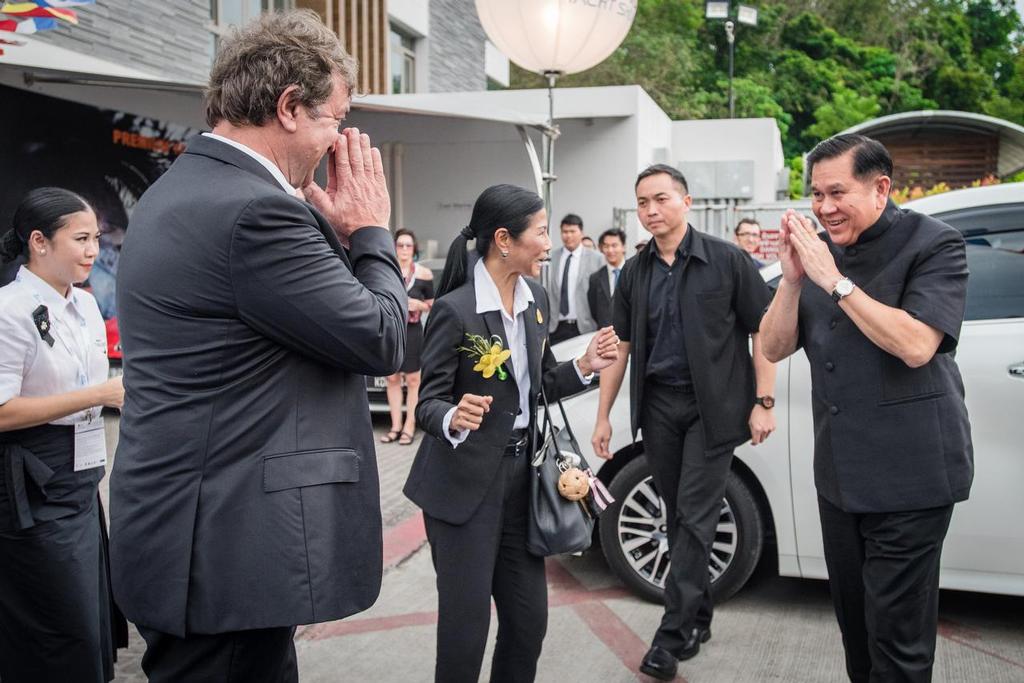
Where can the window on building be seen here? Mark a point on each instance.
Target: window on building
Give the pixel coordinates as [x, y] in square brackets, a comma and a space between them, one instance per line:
[226, 13]
[403, 62]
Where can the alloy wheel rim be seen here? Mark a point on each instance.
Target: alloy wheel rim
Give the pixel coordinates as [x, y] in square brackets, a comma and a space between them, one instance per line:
[643, 537]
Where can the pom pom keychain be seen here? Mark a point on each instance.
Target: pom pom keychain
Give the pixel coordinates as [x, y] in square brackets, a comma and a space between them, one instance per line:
[573, 484]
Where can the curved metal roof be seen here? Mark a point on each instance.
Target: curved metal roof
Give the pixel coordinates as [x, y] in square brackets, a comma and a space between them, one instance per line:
[1011, 135]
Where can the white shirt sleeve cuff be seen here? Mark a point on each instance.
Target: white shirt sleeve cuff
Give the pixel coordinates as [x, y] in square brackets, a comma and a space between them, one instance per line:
[585, 379]
[446, 423]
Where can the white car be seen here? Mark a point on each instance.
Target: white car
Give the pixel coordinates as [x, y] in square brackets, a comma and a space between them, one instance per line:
[770, 499]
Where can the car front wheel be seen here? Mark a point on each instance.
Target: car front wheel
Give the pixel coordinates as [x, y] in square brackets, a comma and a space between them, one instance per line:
[635, 540]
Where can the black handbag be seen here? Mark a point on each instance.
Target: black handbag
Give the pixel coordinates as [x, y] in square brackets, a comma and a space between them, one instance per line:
[557, 525]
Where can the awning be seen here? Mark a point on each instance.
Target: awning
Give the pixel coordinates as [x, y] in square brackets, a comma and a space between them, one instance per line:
[38, 55]
[1011, 135]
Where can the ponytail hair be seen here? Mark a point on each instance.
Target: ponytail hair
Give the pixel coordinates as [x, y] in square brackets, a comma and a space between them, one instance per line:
[499, 206]
[45, 209]
[11, 246]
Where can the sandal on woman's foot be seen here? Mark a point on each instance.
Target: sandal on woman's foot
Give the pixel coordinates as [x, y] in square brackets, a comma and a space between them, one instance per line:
[392, 435]
[405, 439]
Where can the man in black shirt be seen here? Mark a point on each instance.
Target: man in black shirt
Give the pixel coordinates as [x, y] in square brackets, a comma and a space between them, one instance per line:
[877, 302]
[685, 310]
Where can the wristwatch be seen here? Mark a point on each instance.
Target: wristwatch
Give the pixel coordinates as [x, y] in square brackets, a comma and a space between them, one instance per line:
[767, 402]
[843, 289]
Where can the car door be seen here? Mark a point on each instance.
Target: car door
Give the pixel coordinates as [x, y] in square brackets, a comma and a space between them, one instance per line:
[984, 549]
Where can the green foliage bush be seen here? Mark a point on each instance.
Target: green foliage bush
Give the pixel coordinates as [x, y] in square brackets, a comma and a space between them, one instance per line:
[820, 66]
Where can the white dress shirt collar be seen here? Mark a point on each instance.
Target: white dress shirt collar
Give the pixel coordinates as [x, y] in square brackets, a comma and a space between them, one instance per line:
[50, 296]
[264, 161]
[489, 299]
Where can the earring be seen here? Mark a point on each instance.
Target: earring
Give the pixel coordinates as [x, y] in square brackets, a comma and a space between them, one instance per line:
[504, 254]
[42, 252]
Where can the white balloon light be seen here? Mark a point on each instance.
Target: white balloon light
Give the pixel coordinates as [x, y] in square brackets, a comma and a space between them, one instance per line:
[556, 36]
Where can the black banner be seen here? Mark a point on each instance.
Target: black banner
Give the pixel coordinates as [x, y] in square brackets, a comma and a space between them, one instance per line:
[108, 157]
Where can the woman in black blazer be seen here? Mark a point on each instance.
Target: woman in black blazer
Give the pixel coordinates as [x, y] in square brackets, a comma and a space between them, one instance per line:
[485, 355]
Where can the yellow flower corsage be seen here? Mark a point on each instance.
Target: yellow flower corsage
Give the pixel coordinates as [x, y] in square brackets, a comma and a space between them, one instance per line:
[489, 354]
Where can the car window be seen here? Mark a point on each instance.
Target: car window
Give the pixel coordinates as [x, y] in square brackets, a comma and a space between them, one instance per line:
[995, 288]
[977, 220]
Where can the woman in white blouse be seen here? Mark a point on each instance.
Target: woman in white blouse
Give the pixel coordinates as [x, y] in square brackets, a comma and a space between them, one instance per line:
[57, 620]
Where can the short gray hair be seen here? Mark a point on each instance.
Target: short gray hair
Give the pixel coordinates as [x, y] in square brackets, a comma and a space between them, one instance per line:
[257, 62]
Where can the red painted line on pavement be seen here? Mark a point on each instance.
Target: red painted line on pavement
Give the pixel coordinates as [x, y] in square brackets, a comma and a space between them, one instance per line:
[356, 625]
[565, 598]
[962, 635]
[560, 578]
[589, 605]
[617, 636]
[333, 629]
[403, 539]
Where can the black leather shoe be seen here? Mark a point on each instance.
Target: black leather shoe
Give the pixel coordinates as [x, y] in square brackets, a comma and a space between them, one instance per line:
[660, 663]
[692, 645]
[705, 633]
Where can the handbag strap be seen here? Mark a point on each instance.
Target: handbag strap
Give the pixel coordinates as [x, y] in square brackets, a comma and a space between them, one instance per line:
[549, 423]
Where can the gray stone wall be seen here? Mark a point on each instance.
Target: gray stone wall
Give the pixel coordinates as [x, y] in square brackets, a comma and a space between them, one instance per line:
[456, 47]
[167, 39]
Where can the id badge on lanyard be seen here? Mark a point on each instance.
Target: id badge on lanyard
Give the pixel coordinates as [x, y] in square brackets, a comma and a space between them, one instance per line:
[90, 444]
[90, 436]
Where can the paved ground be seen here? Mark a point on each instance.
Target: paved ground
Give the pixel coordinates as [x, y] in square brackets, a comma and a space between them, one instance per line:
[776, 629]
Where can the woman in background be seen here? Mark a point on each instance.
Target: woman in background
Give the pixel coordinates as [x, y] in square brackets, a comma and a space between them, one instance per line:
[57, 619]
[419, 285]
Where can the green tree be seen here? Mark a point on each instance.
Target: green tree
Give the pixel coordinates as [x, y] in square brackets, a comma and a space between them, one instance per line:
[820, 66]
[846, 109]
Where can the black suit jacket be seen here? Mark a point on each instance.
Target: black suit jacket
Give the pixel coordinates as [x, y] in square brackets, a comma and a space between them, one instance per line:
[599, 297]
[244, 492]
[449, 483]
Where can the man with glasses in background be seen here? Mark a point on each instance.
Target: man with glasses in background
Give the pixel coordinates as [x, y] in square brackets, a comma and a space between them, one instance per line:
[748, 237]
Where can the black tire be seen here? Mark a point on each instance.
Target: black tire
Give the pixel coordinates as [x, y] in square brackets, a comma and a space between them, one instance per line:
[644, 565]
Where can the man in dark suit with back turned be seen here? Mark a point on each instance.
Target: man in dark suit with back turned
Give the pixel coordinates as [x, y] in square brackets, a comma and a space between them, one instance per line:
[244, 494]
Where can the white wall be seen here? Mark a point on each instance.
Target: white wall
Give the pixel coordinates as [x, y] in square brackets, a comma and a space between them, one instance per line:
[447, 162]
[412, 15]
[496, 64]
[595, 165]
[654, 146]
[734, 140]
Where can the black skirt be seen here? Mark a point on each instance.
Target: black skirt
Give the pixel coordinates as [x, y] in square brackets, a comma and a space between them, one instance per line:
[57, 618]
[413, 348]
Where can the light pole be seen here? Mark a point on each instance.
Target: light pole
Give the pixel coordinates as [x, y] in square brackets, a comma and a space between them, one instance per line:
[730, 37]
[551, 133]
[554, 38]
[745, 14]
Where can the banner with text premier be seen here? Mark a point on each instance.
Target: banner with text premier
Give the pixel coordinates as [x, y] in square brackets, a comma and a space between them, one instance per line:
[109, 157]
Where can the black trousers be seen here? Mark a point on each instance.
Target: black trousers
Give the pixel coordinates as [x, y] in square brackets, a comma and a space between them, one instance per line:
[487, 557]
[567, 329]
[884, 577]
[258, 656]
[691, 484]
